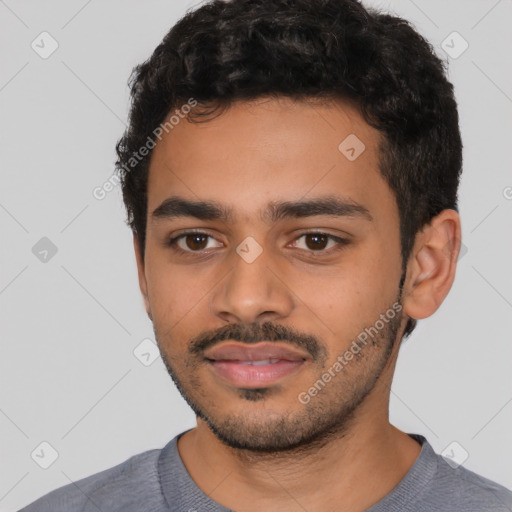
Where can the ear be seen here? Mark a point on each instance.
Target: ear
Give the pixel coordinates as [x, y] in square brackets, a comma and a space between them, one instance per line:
[432, 264]
[143, 285]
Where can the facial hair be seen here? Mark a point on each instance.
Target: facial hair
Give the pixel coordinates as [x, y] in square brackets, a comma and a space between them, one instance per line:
[328, 415]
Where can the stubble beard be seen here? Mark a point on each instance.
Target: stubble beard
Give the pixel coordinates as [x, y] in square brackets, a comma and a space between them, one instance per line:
[327, 416]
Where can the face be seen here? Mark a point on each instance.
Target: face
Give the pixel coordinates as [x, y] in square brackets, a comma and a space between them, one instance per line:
[272, 252]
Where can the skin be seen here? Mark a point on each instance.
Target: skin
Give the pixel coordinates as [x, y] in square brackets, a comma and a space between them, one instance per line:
[342, 452]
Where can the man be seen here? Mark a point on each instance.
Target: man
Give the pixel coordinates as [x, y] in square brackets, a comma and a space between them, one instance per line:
[290, 174]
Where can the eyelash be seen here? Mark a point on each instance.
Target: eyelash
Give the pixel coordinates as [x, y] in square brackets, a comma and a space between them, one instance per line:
[341, 242]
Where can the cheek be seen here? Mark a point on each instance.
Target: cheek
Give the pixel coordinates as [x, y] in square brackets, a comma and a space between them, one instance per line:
[174, 301]
[353, 294]
[180, 296]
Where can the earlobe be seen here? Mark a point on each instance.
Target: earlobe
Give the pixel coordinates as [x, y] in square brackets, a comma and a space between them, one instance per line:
[432, 265]
[141, 275]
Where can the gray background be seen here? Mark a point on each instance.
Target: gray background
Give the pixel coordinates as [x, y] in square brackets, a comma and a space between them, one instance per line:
[70, 324]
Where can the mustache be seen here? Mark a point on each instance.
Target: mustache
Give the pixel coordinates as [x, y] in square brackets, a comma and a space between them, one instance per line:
[254, 333]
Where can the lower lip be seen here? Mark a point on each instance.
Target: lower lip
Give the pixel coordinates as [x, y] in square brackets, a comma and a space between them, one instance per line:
[254, 376]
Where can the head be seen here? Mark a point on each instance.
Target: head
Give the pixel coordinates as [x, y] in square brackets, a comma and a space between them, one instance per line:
[313, 150]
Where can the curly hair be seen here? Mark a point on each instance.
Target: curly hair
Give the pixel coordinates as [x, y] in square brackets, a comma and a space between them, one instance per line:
[225, 51]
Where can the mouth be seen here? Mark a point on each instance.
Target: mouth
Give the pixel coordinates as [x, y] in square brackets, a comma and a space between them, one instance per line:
[254, 366]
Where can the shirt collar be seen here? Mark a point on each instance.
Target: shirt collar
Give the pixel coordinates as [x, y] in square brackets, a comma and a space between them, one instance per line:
[179, 488]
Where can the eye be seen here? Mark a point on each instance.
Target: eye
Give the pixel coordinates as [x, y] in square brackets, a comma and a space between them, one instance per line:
[191, 241]
[315, 241]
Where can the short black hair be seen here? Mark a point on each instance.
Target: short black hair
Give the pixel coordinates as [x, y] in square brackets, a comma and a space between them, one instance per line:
[226, 51]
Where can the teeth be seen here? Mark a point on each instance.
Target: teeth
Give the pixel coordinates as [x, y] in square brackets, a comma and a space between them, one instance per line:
[261, 362]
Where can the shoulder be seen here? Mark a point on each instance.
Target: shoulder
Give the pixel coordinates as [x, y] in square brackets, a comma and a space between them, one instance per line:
[134, 482]
[459, 488]
[437, 484]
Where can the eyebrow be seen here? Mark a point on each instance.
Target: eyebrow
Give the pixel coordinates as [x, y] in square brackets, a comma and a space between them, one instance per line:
[177, 207]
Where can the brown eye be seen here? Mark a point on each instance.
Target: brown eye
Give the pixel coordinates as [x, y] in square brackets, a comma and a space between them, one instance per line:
[191, 242]
[316, 241]
[195, 242]
[319, 242]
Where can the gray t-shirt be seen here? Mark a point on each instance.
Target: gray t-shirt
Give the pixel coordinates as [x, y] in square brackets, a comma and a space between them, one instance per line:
[157, 481]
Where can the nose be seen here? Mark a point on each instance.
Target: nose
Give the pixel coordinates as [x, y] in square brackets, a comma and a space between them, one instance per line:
[252, 290]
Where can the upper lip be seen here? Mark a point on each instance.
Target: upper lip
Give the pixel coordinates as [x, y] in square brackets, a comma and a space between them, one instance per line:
[254, 352]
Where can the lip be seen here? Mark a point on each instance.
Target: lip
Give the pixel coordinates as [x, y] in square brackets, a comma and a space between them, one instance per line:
[254, 366]
[256, 352]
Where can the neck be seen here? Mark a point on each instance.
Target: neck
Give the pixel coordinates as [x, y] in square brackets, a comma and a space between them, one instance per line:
[354, 469]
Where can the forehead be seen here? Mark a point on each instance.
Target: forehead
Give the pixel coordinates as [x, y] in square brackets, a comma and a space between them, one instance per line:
[258, 151]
